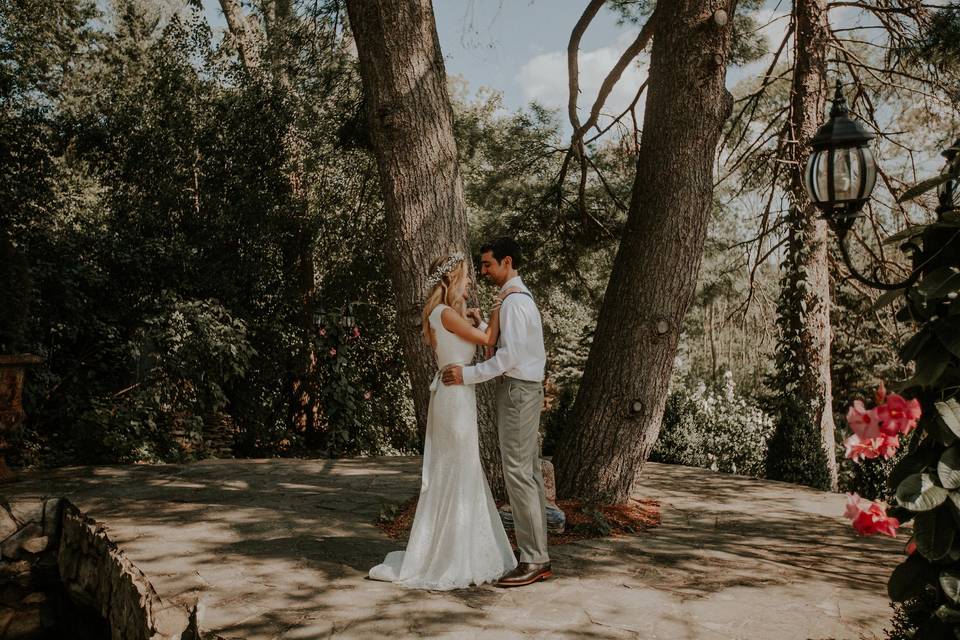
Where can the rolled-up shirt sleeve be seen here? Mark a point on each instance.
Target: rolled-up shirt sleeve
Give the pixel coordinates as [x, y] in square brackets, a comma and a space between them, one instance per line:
[512, 319]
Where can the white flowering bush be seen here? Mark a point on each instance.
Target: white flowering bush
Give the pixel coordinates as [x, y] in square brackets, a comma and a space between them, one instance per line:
[714, 428]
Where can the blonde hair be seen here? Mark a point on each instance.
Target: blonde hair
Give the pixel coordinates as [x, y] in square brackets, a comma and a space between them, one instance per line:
[444, 291]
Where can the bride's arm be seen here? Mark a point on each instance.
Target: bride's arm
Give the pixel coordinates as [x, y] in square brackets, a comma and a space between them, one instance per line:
[455, 323]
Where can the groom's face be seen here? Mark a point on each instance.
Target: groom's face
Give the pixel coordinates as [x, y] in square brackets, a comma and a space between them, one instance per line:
[495, 272]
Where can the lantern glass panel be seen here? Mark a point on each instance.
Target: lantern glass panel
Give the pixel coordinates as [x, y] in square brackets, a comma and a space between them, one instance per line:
[854, 175]
[813, 164]
[949, 192]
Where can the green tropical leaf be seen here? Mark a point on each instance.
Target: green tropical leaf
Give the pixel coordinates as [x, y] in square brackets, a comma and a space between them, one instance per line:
[942, 432]
[954, 505]
[949, 336]
[886, 298]
[933, 532]
[910, 577]
[923, 187]
[949, 615]
[919, 492]
[950, 583]
[911, 348]
[910, 232]
[949, 412]
[950, 285]
[934, 280]
[931, 362]
[948, 469]
[954, 309]
[913, 462]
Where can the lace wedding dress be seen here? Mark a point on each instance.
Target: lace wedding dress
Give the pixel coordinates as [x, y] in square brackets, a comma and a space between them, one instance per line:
[457, 538]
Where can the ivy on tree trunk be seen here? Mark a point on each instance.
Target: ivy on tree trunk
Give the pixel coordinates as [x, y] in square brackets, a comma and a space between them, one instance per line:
[802, 449]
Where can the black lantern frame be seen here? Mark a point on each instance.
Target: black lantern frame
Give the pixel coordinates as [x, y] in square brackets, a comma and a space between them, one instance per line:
[948, 191]
[841, 139]
[841, 171]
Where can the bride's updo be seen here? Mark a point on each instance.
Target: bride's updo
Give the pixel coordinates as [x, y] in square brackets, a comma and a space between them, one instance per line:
[446, 275]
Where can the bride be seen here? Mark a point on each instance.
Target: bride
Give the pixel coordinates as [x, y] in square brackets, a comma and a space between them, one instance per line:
[457, 538]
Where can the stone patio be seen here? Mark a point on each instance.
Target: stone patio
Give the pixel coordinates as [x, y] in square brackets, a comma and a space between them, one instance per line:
[279, 549]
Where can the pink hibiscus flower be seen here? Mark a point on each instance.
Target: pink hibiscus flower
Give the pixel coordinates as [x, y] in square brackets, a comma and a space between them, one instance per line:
[333, 352]
[863, 422]
[880, 395]
[898, 415]
[858, 449]
[869, 518]
[887, 446]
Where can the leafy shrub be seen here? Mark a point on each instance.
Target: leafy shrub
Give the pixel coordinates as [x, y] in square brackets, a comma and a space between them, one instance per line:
[794, 453]
[714, 429]
[15, 288]
[185, 356]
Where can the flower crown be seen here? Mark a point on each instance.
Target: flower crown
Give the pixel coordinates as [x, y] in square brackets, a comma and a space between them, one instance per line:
[445, 268]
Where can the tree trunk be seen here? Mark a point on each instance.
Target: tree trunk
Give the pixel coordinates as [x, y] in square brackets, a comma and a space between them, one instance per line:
[243, 35]
[411, 125]
[804, 350]
[621, 399]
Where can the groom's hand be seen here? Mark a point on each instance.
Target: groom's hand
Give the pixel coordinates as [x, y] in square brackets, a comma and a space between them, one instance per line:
[475, 317]
[452, 375]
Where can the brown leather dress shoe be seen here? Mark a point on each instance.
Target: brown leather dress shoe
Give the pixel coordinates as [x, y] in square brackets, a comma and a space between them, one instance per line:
[525, 573]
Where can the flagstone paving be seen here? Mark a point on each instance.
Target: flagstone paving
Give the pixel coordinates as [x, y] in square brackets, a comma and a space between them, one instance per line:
[279, 549]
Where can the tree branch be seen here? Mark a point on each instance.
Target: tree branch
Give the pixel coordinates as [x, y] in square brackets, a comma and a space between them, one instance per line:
[237, 24]
[573, 65]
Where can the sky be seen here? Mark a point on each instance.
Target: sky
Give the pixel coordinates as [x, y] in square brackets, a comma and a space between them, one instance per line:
[518, 48]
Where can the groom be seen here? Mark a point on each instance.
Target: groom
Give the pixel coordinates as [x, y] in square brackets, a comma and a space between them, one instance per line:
[518, 366]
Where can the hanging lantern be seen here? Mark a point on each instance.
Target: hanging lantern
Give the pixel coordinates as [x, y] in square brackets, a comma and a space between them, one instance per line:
[948, 192]
[841, 171]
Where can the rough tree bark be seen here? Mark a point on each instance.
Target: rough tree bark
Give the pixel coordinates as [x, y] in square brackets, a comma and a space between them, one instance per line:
[411, 126]
[804, 350]
[617, 413]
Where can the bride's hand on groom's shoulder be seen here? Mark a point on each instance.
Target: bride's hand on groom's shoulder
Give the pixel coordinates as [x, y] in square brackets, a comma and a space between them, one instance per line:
[499, 298]
[474, 316]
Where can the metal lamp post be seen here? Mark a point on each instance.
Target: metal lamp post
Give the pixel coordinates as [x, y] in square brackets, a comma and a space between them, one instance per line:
[841, 171]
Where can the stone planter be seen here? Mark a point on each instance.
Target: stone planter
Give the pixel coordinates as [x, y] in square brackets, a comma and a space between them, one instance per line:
[12, 372]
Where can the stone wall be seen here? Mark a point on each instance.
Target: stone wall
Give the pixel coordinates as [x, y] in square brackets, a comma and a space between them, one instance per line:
[94, 571]
[29, 532]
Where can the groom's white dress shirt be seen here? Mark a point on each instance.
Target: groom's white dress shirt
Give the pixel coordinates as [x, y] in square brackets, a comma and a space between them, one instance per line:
[520, 352]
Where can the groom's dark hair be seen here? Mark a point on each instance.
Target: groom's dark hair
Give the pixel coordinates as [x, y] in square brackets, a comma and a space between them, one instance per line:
[503, 247]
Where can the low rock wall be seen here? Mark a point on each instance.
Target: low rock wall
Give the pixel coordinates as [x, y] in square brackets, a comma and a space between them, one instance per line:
[94, 571]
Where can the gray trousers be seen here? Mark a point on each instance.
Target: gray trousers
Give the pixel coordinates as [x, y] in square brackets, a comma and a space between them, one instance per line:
[518, 423]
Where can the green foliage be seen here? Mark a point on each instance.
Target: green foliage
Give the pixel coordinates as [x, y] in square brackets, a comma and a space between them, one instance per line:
[184, 357]
[796, 453]
[558, 418]
[714, 429]
[15, 291]
[729, 326]
[597, 524]
[926, 480]
[174, 259]
[748, 43]
[861, 355]
[938, 46]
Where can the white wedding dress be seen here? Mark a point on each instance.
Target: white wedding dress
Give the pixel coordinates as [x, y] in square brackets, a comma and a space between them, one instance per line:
[457, 538]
